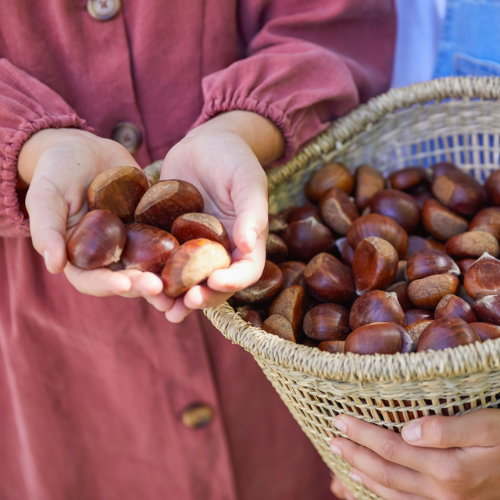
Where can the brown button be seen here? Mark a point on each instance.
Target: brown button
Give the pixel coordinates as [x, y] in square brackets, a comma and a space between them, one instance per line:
[128, 135]
[197, 416]
[103, 10]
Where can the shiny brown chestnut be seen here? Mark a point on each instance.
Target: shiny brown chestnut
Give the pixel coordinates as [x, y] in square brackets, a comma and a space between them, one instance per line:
[118, 190]
[441, 222]
[165, 201]
[293, 273]
[333, 346]
[192, 263]
[327, 322]
[486, 216]
[443, 168]
[426, 293]
[251, 315]
[381, 226]
[345, 250]
[192, 226]
[487, 308]
[307, 238]
[493, 229]
[377, 338]
[486, 331]
[328, 280]
[416, 315]
[415, 330]
[304, 212]
[376, 306]
[451, 306]
[446, 332]
[397, 205]
[464, 265]
[332, 174]
[291, 303]
[97, 240]
[471, 245]
[280, 326]
[407, 178]
[375, 264]
[277, 223]
[416, 243]
[422, 197]
[264, 289]
[147, 248]
[429, 262]
[276, 249]
[338, 210]
[369, 181]
[483, 277]
[492, 186]
[400, 288]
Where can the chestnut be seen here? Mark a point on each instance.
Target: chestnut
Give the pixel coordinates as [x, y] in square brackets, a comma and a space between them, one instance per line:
[327, 322]
[486, 216]
[192, 263]
[383, 227]
[307, 238]
[97, 240]
[486, 331]
[464, 265]
[437, 245]
[291, 303]
[472, 245]
[277, 223]
[426, 293]
[451, 306]
[429, 262]
[191, 226]
[443, 168]
[464, 295]
[333, 174]
[304, 212]
[345, 250]
[416, 315]
[118, 190]
[493, 229]
[407, 177]
[376, 306]
[441, 222]
[483, 276]
[280, 326]
[250, 315]
[487, 308]
[375, 264]
[333, 346]
[293, 273]
[397, 205]
[416, 243]
[377, 338]
[446, 332]
[264, 289]
[421, 197]
[415, 330]
[328, 280]
[165, 201]
[276, 249]
[147, 248]
[369, 181]
[337, 210]
[400, 288]
[492, 186]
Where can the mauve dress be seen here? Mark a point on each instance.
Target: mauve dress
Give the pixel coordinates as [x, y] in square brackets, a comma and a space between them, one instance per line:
[92, 390]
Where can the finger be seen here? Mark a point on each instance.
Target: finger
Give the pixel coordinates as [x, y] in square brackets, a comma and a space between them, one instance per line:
[143, 283]
[478, 428]
[98, 282]
[339, 490]
[160, 302]
[200, 297]
[388, 474]
[178, 311]
[382, 491]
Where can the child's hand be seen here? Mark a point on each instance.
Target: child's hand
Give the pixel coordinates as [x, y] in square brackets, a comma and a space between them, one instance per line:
[222, 158]
[441, 458]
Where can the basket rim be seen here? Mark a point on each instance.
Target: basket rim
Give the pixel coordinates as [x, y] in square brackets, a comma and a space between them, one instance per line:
[448, 363]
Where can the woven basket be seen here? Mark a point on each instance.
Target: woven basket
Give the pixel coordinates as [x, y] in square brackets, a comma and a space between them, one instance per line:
[453, 119]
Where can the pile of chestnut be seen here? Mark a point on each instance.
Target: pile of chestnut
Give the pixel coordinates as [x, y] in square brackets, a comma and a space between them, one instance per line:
[373, 265]
[160, 229]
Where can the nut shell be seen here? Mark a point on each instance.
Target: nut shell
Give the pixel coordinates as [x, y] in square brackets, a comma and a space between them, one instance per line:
[280, 326]
[332, 346]
[333, 174]
[426, 293]
[492, 186]
[483, 277]
[250, 315]
[487, 308]
[486, 331]
[446, 332]
[327, 322]
[195, 225]
[337, 210]
[401, 290]
[376, 338]
[430, 262]
[407, 177]
[293, 273]
[441, 222]
[291, 303]
[398, 206]
[369, 181]
[376, 306]
[451, 306]
[472, 245]
[416, 315]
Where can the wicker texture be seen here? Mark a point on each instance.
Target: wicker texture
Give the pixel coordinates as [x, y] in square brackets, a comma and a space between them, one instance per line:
[451, 119]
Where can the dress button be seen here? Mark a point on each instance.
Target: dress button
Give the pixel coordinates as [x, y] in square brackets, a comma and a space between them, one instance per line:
[197, 416]
[128, 135]
[103, 10]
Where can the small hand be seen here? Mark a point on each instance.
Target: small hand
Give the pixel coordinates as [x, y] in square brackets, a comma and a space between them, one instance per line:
[437, 457]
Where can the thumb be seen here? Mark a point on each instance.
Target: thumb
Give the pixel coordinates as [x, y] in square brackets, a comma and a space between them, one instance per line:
[478, 428]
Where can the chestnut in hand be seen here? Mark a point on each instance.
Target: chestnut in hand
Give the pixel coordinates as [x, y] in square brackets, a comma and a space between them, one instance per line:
[327, 322]
[97, 240]
[376, 306]
[194, 225]
[378, 338]
[337, 210]
[333, 174]
[446, 332]
[192, 263]
[264, 289]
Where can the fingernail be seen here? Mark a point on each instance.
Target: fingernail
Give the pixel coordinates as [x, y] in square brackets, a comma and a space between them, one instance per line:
[412, 432]
[46, 258]
[335, 450]
[355, 477]
[340, 425]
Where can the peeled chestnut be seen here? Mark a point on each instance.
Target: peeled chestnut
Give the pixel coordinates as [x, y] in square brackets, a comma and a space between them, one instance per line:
[401, 290]
[251, 315]
[483, 277]
[333, 346]
[307, 238]
[383, 227]
[487, 308]
[165, 201]
[276, 249]
[328, 280]
[398, 206]
[333, 174]
[192, 263]
[376, 306]
[327, 322]
[451, 306]
[293, 273]
[280, 326]
[492, 186]
[441, 222]
[147, 248]
[416, 315]
[375, 264]
[118, 190]
[472, 245]
[429, 262]
[378, 338]
[263, 290]
[426, 293]
[446, 332]
[97, 240]
[191, 226]
[291, 303]
[407, 177]
[486, 331]
[369, 181]
[338, 210]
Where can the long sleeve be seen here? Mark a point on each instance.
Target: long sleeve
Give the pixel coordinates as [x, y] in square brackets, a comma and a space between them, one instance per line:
[306, 63]
[26, 106]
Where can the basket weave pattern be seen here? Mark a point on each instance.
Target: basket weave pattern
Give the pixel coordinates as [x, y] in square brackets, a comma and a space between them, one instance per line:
[451, 119]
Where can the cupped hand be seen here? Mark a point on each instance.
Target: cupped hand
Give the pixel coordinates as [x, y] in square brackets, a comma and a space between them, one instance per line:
[436, 457]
